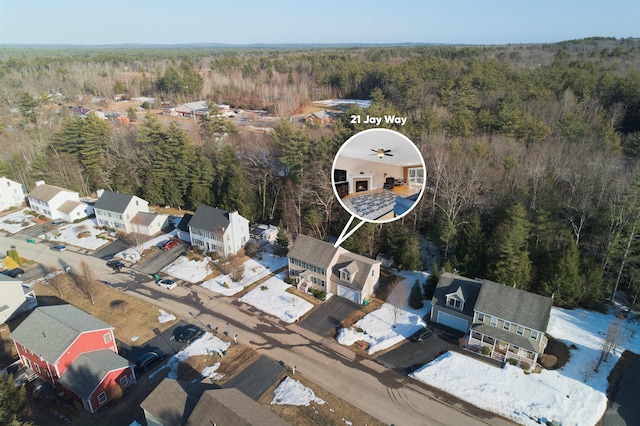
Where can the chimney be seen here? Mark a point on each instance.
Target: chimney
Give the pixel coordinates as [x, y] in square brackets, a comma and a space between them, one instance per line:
[39, 182]
[99, 192]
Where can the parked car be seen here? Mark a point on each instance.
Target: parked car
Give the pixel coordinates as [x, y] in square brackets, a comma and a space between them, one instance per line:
[58, 247]
[170, 244]
[58, 222]
[115, 264]
[144, 362]
[189, 334]
[13, 273]
[422, 334]
[167, 283]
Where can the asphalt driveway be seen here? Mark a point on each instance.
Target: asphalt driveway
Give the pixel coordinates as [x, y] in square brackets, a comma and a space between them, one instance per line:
[325, 318]
[254, 380]
[161, 258]
[111, 249]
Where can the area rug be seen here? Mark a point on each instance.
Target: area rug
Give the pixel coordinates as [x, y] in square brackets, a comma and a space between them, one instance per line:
[373, 205]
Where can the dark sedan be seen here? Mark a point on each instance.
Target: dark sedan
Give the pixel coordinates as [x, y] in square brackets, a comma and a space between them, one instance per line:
[189, 334]
[422, 334]
[144, 362]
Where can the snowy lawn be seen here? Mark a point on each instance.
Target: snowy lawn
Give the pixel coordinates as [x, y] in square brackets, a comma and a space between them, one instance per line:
[165, 317]
[133, 254]
[560, 395]
[272, 298]
[377, 326]
[16, 222]
[192, 271]
[253, 271]
[292, 392]
[70, 234]
[207, 344]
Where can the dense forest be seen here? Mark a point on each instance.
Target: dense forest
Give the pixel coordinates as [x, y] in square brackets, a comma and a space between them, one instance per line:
[532, 151]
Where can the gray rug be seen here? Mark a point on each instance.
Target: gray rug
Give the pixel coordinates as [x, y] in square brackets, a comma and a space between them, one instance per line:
[372, 206]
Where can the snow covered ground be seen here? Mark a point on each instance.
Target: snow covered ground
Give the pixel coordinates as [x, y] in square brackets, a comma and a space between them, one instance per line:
[133, 254]
[362, 103]
[192, 271]
[272, 298]
[292, 392]
[207, 344]
[69, 234]
[253, 271]
[165, 317]
[378, 325]
[16, 222]
[560, 395]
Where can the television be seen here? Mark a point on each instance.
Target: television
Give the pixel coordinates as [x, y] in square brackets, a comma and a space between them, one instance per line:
[339, 175]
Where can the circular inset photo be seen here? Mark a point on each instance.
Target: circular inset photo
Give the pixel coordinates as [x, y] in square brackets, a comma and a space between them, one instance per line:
[378, 175]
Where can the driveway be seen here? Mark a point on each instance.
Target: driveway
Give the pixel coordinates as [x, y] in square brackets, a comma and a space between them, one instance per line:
[410, 356]
[163, 340]
[111, 249]
[624, 409]
[325, 318]
[254, 380]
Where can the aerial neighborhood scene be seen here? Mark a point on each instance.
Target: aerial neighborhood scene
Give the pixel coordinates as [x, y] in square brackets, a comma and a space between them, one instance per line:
[347, 213]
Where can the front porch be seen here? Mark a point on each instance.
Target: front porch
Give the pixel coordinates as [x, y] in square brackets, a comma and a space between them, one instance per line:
[501, 350]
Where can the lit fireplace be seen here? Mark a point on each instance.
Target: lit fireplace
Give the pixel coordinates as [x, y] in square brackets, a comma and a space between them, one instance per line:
[362, 185]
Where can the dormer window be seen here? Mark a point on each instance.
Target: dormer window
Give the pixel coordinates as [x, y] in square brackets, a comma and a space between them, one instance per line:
[348, 272]
[456, 300]
[455, 303]
[345, 275]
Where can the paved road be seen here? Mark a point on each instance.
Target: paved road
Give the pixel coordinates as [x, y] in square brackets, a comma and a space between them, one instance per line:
[324, 319]
[254, 380]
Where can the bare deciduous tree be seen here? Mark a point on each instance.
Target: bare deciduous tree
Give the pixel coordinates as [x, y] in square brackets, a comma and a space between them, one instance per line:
[611, 342]
[396, 299]
[85, 280]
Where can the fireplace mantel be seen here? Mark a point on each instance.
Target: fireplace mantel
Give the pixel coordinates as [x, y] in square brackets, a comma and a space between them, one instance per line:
[352, 179]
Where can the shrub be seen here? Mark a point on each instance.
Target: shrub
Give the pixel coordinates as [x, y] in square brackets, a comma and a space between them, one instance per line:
[359, 330]
[463, 342]
[318, 294]
[290, 280]
[225, 285]
[512, 361]
[237, 273]
[548, 361]
[486, 351]
[121, 233]
[525, 366]
[415, 297]
[264, 288]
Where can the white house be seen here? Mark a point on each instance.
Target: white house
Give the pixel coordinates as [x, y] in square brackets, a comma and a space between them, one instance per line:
[261, 233]
[149, 223]
[115, 210]
[11, 193]
[16, 298]
[218, 230]
[319, 264]
[52, 201]
[193, 109]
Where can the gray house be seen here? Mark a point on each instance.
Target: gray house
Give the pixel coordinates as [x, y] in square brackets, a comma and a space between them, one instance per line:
[454, 301]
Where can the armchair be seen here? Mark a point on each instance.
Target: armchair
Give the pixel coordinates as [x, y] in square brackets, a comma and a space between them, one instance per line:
[389, 183]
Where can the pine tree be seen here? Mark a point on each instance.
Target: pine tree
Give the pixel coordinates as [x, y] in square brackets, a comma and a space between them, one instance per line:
[513, 266]
[561, 276]
[13, 401]
[415, 297]
[131, 114]
[471, 252]
[13, 254]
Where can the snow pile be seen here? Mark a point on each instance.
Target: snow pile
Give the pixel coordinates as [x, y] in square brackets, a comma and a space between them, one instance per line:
[272, 298]
[362, 103]
[292, 392]
[69, 234]
[165, 317]
[207, 344]
[16, 222]
[253, 271]
[133, 254]
[512, 393]
[378, 330]
[192, 271]
[210, 372]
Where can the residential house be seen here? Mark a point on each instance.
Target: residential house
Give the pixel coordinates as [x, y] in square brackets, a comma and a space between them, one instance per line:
[510, 322]
[16, 298]
[321, 117]
[193, 109]
[55, 202]
[213, 229]
[75, 351]
[177, 403]
[183, 228]
[149, 223]
[116, 210]
[264, 233]
[323, 266]
[11, 193]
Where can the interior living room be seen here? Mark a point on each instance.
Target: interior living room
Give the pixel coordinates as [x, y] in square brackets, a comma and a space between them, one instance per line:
[378, 180]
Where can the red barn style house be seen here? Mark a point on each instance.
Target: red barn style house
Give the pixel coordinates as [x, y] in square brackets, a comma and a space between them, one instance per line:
[74, 351]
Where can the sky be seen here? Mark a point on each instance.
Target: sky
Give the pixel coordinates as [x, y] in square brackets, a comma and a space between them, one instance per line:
[99, 22]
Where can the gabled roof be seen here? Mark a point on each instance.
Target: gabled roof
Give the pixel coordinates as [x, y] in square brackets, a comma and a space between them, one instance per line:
[49, 330]
[210, 219]
[170, 403]
[69, 206]
[89, 369]
[143, 218]
[46, 192]
[184, 222]
[113, 201]
[230, 407]
[313, 251]
[511, 304]
[193, 106]
[451, 283]
[505, 336]
[353, 263]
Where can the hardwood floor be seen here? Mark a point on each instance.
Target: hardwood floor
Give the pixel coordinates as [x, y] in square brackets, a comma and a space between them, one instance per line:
[403, 190]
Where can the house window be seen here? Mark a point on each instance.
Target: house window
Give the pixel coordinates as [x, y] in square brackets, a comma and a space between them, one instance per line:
[107, 337]
[493, 321]
[519, 330]
[124, 381]
[534, 335]
[480, 317]
[454, 303]
[344, 275]
[36, 368]
[506, 325]
[373, 272]
[102, 397]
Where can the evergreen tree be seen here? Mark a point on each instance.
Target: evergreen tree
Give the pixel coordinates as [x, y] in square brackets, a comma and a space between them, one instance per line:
[13, 254]
[416, 297]
[471, 252]
[282, 240]
[410, 252]
[95, 134]
[513, 266]
[561, 276]
[131, 114]
[13, 401]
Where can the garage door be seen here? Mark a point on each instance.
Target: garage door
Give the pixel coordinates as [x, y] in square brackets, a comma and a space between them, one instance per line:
[347, 293]
[453, 321]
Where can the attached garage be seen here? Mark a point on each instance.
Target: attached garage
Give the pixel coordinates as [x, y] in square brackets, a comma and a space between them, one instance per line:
[453, 321]
[348, 293]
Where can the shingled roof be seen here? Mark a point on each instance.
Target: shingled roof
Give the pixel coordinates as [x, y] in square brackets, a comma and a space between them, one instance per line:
[313, 251]
[46, 192]
[89, 369]
[113, 201]
[451, 283]
[210, 219]
[511, 304]
[354, 264]
[49, 330]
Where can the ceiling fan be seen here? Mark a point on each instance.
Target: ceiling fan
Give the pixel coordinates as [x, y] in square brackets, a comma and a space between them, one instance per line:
[381, 152]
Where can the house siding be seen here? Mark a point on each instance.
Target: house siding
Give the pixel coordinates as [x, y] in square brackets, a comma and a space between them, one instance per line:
[11, 194]
[50, 208]
[538, 342]
[111, 386]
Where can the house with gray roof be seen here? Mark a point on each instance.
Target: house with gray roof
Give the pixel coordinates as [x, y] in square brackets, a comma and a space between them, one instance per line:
[319, 264]
[216, 230]
[73, 350]
[16, 298]
[509, 322]
[115, 210]
[55, 202]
